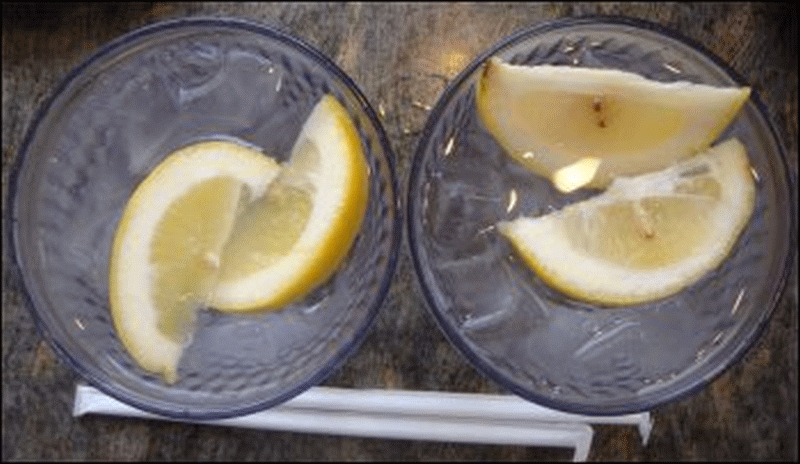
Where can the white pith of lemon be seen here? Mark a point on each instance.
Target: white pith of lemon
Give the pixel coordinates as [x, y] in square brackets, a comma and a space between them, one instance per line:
[645, 237]
[166, 251]
[293, 238]
[548, 117]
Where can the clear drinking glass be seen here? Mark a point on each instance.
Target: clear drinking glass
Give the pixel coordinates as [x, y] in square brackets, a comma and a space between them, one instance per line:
[538, 343]
[106, 126]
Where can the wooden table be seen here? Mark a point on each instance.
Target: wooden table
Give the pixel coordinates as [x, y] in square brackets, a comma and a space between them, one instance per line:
[394, 53]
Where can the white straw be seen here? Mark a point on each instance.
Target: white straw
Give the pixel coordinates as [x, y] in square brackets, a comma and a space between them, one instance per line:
[402, 414]
[446, 404]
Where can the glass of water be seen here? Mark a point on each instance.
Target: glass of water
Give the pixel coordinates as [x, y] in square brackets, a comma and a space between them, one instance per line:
[106, 126]
[535, 341]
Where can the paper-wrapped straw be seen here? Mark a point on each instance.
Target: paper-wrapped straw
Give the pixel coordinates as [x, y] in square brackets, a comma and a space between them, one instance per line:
[402, 414]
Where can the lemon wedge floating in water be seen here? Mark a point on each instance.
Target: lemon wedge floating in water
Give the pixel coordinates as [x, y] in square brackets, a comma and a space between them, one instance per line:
[550, 117]
[645, 237]
[294, 237]
[165, 256]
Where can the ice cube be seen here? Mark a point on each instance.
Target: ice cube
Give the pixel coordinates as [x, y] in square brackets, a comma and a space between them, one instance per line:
[463, 200]
[478, 289]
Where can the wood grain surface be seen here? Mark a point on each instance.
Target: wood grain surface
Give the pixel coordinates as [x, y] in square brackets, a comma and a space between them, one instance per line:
[401, 56]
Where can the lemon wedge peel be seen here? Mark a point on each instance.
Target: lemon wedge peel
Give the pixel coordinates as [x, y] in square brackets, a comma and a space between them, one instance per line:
[717, 190]
[548, 116]
[327, 162]
[223, 172]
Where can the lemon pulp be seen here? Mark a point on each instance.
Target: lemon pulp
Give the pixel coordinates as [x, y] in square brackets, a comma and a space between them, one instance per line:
[185, 252]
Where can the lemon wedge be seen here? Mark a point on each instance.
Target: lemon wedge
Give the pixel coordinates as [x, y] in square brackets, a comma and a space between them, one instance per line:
[294, 237]
[645, 237]
[549, 117]
[166, 251]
